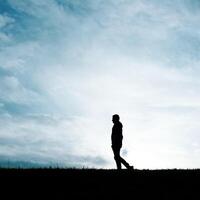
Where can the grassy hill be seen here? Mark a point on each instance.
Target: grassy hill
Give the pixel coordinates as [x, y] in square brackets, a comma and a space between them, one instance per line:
[100, 184]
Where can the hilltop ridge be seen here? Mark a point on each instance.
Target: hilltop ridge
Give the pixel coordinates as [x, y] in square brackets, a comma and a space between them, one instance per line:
[101, 184]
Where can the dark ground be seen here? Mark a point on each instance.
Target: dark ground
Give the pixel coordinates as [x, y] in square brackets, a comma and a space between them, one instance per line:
[99, 184]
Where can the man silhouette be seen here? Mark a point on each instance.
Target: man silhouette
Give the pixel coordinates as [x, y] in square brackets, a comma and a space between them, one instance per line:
[116, 139]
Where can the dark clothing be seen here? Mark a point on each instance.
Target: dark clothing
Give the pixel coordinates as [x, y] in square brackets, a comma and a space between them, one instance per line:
[118, 158]
[116, 138]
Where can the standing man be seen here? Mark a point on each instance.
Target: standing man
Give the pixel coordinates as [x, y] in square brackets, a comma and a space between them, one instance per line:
[116, 138]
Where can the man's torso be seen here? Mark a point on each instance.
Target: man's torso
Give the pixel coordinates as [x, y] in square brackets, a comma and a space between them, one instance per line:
[117, 136]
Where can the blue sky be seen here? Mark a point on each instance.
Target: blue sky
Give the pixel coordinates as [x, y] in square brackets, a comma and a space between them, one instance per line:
[67, 66]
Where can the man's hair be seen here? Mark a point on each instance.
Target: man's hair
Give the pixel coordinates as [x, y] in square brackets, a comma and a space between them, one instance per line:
[116, 116]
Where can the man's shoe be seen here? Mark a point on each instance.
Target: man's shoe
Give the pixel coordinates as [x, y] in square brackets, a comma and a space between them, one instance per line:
[130, 168]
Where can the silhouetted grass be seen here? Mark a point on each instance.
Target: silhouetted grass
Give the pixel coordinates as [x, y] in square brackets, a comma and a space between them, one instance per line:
[62, 183]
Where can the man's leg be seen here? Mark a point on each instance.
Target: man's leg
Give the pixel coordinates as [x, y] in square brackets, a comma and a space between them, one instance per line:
[124, 162]
[117, 157]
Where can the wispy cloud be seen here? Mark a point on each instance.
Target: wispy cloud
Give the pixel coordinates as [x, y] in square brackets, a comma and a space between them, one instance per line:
[67, 66]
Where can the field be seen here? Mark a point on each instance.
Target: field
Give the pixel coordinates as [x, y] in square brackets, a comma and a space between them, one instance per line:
[99, 184]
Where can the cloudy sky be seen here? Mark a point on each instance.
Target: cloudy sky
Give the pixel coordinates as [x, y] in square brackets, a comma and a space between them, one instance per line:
[67, 65]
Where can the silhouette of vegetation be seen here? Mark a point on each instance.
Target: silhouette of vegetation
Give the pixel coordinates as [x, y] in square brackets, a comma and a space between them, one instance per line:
[99, 184]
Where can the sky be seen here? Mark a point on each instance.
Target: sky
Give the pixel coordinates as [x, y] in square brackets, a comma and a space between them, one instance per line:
[66, 66]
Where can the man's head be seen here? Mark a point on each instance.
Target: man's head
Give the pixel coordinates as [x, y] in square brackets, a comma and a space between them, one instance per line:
[115, 118]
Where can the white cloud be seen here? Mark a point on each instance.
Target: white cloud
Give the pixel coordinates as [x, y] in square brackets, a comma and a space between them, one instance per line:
[5, 20]
[42, 138]
[17, 57]
[48, 11]
[157, 105]
[118, 59]
[4, 37]
[13, 91]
